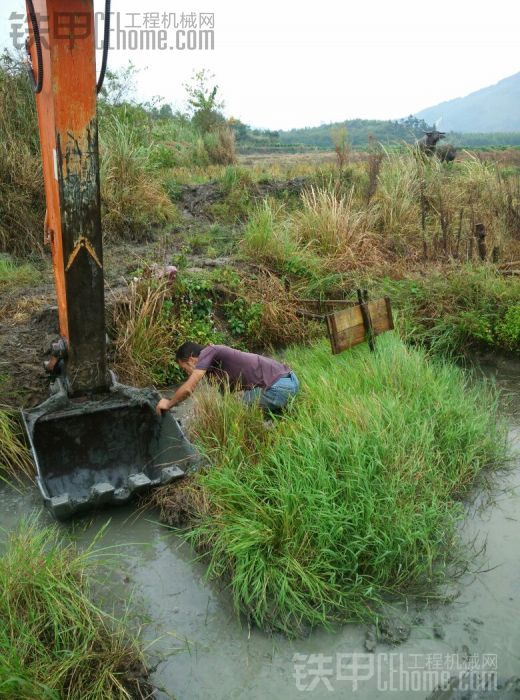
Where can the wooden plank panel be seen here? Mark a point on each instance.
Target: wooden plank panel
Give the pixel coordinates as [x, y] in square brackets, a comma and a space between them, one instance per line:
[346, 327]
[350, 337]
[348, 317]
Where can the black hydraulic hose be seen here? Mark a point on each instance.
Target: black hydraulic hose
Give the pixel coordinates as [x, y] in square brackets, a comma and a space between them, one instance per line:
[37, 83]
[106, 43]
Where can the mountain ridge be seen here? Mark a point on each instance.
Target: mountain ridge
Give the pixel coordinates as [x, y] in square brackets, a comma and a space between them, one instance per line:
[495, 108]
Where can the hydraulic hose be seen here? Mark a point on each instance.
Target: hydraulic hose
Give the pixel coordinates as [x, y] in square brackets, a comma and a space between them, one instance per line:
[106, 43]
[36, 82]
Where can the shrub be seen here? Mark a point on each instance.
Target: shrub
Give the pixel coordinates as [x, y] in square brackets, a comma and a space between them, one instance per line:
[455, 309]
[508, 329]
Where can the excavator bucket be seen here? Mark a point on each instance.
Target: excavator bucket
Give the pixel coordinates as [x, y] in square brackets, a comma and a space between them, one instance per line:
[105, 450]
[94, 441]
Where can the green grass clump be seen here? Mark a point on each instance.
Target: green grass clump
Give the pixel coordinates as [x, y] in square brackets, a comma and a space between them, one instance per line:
[350, 497]
[13, 275]
[54, 642]
[457, 309]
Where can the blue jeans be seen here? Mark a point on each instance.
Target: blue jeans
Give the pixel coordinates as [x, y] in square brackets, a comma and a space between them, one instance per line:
[276, 396]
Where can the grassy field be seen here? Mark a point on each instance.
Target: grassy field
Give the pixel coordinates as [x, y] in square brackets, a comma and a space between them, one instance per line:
[350, 498]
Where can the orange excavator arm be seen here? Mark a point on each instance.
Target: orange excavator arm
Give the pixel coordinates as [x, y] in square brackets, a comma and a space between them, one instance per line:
[64, 69]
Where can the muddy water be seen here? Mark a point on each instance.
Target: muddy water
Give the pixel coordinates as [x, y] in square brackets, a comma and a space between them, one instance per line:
[203, 651]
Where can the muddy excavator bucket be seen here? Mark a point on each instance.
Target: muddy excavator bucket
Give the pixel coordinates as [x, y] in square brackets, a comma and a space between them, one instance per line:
[94, 441]
[104, 450]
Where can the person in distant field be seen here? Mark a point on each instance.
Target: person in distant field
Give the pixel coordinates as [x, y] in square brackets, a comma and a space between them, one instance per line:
[263, 380]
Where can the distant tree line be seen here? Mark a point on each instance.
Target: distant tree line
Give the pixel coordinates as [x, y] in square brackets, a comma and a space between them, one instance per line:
[360, 133]
[485, 140]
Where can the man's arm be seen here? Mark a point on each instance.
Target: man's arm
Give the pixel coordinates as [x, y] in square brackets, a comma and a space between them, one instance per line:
[182, 392]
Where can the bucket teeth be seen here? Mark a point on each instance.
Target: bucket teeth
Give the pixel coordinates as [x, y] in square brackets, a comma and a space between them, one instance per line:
[170, 473]
[137, 482]
[62, 505]
[103, 492]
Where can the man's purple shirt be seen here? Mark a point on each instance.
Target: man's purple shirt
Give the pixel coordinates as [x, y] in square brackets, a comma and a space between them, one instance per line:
[245, 370]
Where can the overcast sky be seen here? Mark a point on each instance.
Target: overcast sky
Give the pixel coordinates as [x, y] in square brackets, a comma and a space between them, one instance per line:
[291, 64]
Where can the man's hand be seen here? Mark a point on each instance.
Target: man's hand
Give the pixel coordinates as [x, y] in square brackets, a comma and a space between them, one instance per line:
[163, 405]
[182, 392]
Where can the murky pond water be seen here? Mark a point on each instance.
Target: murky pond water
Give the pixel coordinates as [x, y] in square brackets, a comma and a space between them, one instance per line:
[203, 651]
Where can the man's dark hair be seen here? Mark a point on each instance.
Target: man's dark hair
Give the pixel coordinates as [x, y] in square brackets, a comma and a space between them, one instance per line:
[187, 350]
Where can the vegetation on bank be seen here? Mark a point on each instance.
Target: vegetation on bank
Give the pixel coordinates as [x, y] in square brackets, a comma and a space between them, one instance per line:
[454, 310]
[54, 641]
[349, 498]
[354, 494]
[395, 207]
[140, 144]
[253, 313]
[15, 459]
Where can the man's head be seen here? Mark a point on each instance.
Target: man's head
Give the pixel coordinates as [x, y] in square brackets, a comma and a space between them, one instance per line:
[187, 355]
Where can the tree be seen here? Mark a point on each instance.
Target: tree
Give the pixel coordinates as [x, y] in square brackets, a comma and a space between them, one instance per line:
[339, 138]
[203, 103]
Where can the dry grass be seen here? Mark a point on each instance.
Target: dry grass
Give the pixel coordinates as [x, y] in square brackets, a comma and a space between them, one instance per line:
[279, 324]
[143, 343]
[15, 311]
[15, 459]
[220, 146]
[328, 221]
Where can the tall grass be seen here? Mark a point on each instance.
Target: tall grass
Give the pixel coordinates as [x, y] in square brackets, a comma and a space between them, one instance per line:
[394, 209]
[220, 146]
[328, 222]
[54, 641]
[350, 497]
[266, 237]
[133, 198]
[418, 209]
[22, 205]
[143, 345]
[15, 459]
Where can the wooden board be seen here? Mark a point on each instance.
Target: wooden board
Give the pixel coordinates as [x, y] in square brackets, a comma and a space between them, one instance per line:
[346, 327]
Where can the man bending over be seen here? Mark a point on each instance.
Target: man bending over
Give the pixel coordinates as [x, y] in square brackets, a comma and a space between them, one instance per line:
[263, 380]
